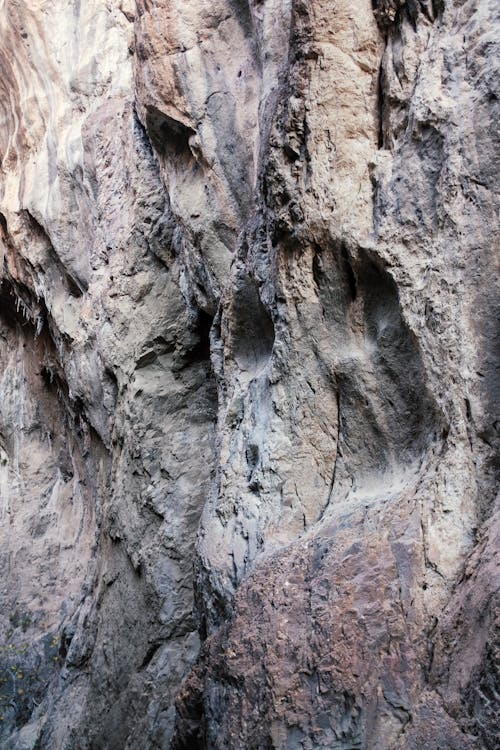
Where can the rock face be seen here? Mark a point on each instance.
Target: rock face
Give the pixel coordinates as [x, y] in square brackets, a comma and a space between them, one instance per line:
[247, 345]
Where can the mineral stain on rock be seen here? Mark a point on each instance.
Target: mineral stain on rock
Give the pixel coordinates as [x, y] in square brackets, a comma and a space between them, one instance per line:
[248, 375]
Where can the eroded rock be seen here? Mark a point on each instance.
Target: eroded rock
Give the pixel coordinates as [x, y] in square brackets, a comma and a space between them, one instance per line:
[247, 345]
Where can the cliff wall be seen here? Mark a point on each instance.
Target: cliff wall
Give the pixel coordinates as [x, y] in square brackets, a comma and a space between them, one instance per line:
[247, 374]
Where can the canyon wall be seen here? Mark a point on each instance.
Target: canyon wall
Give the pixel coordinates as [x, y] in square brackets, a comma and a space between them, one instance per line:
[248, 439]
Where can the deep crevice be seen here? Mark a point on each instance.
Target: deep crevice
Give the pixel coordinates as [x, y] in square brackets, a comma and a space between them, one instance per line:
[170, 138]
[381, 100]
[149, 654]
[351, 278]
[252, 328]
[201, 350]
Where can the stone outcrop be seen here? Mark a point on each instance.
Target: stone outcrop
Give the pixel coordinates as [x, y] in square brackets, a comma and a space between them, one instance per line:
[248, 436]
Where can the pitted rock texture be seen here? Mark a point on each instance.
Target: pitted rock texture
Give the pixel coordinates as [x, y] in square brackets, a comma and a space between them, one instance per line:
[248, 428]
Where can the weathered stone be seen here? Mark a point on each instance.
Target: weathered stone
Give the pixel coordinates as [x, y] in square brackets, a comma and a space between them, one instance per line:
[248, 438]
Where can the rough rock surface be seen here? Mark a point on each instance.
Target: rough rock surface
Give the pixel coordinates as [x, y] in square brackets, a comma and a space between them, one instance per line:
[247, 391]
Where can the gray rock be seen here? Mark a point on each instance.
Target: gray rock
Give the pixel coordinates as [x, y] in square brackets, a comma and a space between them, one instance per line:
[248, 392]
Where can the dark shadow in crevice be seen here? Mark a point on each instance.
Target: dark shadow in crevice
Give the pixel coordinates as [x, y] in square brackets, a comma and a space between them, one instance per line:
[199, 350]
[152, 650]
[402, 404]
[31, 322]
[335, 281]
[251, 328]
[349, 273]
[412, 9]
[388, 415]
[381, 101]
[17, 306]
[438, 8]
[203, 327]
[170, 138]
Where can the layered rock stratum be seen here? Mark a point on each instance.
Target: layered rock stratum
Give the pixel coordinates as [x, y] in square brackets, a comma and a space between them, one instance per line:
[248, 436]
